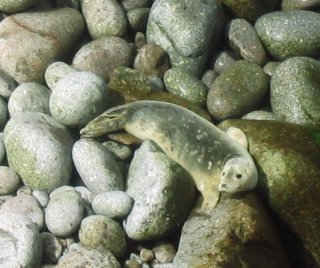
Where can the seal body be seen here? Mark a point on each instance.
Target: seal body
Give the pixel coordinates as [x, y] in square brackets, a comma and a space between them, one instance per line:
[214, 160]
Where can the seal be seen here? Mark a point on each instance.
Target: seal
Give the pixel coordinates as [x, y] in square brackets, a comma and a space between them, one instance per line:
[215, 161]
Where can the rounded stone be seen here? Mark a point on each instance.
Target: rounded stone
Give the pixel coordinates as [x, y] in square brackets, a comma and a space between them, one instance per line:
[20, 241]
[97, 166]
[134, 4]
[121, 151]
[3, 112]
[39, 149]
[138, 19]
[114, 204]
[42, 197]
[103, 55]
[237, 91]
[31, 97]
[295, 94]
[9, 180]
[52, 248]
[88, 93]
[271, 67]
[287, 34]
[298, 4]
[223, 60]
[164, 252]
[56, 71]
[14, 6]
[7, 85]
[25, 205]
[2, 148]
[208, 78]
[103, 233]
[259, 115]
[185, 85]
[64, 211]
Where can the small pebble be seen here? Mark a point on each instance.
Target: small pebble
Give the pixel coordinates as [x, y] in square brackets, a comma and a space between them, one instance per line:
[9, 180]
[24, 190]
[42, 197]
[52, 248]
[7, 85]
[55, 72]
[132, 264]
[121, 151]
[146, 255]
[223, 61]
[164, 252]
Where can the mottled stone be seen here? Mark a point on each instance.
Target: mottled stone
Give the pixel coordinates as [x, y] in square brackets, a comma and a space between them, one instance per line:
[271, 67]
[121, 151]
[31, 41]
[104, 18]
[9, 180]
[14, 6]
[208, 78]
[245, 41]
[299, 4]
[56, 71]
[237, 91]
[42, 197]
[139, 40]
[186, 37]
[287, 157]
[295, 91]
[138, 19]
[52, 247]
[164, 252]
[287, 34]
[103, 55]
[39, 149]
[223, 60]
[7, 85]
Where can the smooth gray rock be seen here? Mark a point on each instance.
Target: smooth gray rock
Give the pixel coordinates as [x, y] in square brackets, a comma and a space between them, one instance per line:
[14, 6]
[52, 247]
[237, 91]
[103, 55]
[138, 18]
[39, 149]
[31, 97]
[223, 60]
[299, 4]
[25, 205]
[111, 235]
[271, 67]
[295, 91]
[187, 38]
[97, 166]
[56, 71]
[134, 4]
[185, 85]
[287, 34]
[89, 95]
[163, 194]
[64, 211]
[104, 18]
[7, 85]
[208, 78]
[121, 151]
[20, 241]
[9, 180]
[259, 115]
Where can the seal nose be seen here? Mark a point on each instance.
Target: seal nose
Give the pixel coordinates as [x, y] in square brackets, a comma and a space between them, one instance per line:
[223, 186]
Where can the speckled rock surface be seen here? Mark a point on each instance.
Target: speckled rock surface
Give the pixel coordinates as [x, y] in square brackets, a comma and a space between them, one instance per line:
[12, 6]
[238, 90]
[138, 18]
[20, 242]
[163, 194]
[39, 149]
[259, 115]
[37, 39]
[299, 4]
[243, 236]
[295, 94]
[287, 158]
[56, 71]
[287, 34]
[7, 85]
[223, 60]
[103, 55]
[188, 49]
[9, 180]
[271, 67]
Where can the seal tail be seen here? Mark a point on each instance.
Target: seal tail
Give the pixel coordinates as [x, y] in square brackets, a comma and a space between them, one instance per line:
[111, 120]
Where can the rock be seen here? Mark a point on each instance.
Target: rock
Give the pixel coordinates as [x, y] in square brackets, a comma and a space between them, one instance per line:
[3, 112]
[64, 212]
[239, 233]
[24, 190]
[113, 204]
[163, 194]
[14, 6]
[139, 40]
[39, 150]
[152, 60]
[138, 19]
[89, 95]
[31, 97]
[259, 115]
[7, 85]
[295, 94]
[121, 151]
[271, 67]
[25, 205]
[19, 241]
[223, 61]
[187, 38]
[146, 255]
[164, 252]
[298, 4]
[52, 248]
[31, 41]
[285, 35]
[287, 157]
[250, 9]
[111, 236]
[68, 3]
[103, 55]
[104, 18]
[185, 85]
[9, 180]
[56, 71]
[245, 41]
[208, 78]
[83, 256]
[128, 5]
[2, 148]
[97, 166]
[42, 197]
[238, 90]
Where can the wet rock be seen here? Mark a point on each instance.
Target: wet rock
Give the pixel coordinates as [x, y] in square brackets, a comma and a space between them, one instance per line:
[285, 35]
[244, 40]
[238, 233]
[31, 41]
[238, 90]
[189, 48]
[52, 248]
[20, 242]
[138, 19]
[287, 157]
[298, 4]
[14, 6]
[103, 55]
[111, 236]
[104, 18]
[39, 150]
[163, 194]
[223, 61]
[31, 97]
[97, 166]
[9, 180]
[295, 94]
[7, 85]
[185, 85]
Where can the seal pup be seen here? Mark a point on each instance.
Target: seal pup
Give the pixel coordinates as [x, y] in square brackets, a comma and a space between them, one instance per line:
[215, 160]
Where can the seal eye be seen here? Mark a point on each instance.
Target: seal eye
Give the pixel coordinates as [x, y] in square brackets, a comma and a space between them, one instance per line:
[238, 176]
